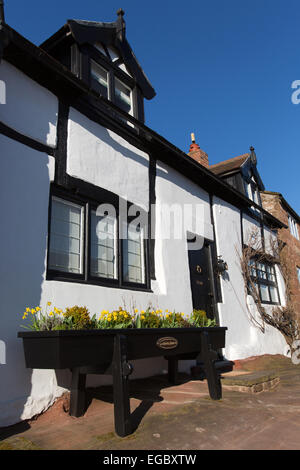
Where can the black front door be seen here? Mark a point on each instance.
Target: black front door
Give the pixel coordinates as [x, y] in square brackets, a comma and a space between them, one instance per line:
[202, 279]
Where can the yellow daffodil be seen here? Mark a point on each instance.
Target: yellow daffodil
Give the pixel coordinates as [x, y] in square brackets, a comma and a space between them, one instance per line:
[51, 313]
[142, 317]
[142, 312]
[27, 309]
[33, 311]
[49, 303]
[37, 309]
[136, 310]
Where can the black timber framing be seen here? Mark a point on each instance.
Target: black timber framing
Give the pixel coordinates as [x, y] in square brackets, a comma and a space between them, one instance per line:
[51, 74]
[152, 215]
[23, 139]
[214, 260]
[61, 144]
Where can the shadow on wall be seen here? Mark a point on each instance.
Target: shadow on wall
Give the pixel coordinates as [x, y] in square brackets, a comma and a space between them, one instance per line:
[24, 192]
[182, 182]
[101, 133]
[29, 108]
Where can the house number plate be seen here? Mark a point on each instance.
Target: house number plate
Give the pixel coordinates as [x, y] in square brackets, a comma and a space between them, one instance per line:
[168, 342]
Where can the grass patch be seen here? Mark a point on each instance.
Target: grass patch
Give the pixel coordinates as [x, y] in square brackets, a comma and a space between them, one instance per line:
[18, 443]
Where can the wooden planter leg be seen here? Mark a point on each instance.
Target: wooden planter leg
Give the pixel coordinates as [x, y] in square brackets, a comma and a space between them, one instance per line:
[172, 370]
[78, 397]
[212, 376]
[121, 371]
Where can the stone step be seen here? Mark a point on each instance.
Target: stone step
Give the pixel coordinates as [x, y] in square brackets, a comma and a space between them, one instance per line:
[255, 382]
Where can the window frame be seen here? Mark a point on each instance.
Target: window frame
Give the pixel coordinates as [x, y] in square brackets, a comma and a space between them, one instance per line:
[113, 72]
[298, 273]
[86, 277]
[58, 272]
[117, 79]
[95, 83]
[293, 226]
[81, 235]
[145, 250]
[251, 189]
[265, 282]
[102, 279]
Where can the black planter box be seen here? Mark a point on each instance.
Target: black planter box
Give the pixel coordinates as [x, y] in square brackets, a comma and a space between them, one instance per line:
[108, 352]
[65, 349]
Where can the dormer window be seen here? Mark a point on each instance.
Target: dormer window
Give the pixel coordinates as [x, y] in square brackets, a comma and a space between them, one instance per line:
[123, 96]
[252, 191]
[99, 54]
[99, 74]
[293, 227]
[112, 85]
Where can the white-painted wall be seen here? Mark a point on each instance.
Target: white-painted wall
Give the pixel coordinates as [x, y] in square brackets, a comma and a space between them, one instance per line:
[24, 193]
[101, 157]
[244, 338]
[172, 270]
[29, 108]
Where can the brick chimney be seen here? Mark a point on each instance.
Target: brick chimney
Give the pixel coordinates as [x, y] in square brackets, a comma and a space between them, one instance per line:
[197, 154]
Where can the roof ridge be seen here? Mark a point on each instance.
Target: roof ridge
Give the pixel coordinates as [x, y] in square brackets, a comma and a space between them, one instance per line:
[230, 159]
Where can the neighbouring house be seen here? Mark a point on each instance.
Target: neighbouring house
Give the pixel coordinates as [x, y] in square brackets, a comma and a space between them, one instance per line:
[289, 235]
[73, 138]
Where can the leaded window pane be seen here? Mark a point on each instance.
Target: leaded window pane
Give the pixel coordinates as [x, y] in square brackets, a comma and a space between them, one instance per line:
[123, 96]
[65, 249]
[103, 246]
[133, 257]
[101, 76]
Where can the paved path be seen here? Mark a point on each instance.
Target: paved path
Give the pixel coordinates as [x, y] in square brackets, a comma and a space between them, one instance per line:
[176, 418]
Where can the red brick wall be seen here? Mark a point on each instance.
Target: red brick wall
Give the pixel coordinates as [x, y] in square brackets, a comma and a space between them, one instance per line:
[199, 155]
[291, 252]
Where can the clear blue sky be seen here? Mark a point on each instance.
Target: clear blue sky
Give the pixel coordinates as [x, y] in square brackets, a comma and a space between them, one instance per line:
[221, 69]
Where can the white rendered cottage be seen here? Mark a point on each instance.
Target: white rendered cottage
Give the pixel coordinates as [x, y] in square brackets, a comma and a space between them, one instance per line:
[72, 137]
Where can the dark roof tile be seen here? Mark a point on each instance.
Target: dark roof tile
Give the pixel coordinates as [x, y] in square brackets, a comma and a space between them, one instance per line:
[229, 165]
